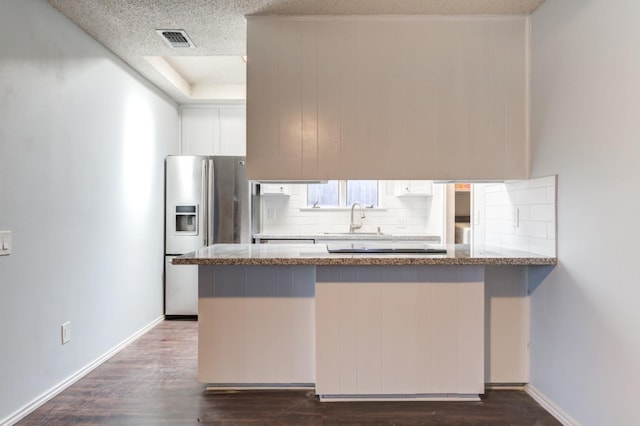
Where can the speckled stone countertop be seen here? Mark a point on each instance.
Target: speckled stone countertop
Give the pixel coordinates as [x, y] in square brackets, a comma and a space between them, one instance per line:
[349, 236]
[317, 254]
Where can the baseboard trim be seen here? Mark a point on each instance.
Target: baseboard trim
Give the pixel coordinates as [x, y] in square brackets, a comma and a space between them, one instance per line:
[239, 387]
[548, 405]
[49, 394]
[393, 397]
[504, 386]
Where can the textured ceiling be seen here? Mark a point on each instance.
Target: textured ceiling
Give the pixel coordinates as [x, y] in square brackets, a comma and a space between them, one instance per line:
[218, 27]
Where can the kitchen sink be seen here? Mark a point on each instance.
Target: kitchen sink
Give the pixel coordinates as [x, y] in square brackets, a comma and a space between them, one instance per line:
[386, 248]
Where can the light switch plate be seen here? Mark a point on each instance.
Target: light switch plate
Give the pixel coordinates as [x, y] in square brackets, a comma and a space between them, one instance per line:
[5, 243]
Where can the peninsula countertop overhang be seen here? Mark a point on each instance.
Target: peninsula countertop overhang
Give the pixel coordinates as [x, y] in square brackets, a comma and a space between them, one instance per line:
[317, 254]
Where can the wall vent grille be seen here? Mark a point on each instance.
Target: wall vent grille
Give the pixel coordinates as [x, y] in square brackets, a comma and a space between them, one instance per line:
[176, 38]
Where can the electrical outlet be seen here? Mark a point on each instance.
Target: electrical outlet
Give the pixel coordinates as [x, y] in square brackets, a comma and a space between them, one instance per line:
[66, 332]
[271, 214]
[402, 222]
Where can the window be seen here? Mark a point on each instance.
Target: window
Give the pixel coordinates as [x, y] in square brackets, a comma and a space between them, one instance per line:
[323, 194]
[343, 193]
[364, 192]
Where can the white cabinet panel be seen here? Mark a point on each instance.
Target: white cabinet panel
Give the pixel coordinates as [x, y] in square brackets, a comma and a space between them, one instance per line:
[259, 324]
[470, 366]
[221, 349]
[369, 338]
[233, 131]
[262, 88]
[256, 340]
[444, 332]
[507, 325]
[329, 329]
[324, 144]
[399, 338]
[290, 83]
[414, 188]
[399, 330]
[275, 189]
[214, 130]
[384, 98]
[420, 108]
[200, 134]
[424, 342]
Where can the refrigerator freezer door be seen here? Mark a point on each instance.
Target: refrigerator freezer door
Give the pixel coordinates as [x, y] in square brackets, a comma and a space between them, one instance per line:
[185, 203]
[181, 292]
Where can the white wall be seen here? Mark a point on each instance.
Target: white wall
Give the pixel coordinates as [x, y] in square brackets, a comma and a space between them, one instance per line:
[398, 215]
[585, 349]
[518, 215]
[82, 143]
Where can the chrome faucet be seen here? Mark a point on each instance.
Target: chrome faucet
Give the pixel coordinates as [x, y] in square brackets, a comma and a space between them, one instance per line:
[353, 226]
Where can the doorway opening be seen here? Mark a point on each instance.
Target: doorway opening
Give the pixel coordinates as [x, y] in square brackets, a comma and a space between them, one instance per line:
[462, 213]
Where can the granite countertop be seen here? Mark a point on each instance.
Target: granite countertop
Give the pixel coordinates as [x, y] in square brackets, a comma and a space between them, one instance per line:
[317, 254]
[348, 236]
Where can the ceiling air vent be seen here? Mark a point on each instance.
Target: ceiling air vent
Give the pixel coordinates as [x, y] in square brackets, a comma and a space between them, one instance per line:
[176, 38]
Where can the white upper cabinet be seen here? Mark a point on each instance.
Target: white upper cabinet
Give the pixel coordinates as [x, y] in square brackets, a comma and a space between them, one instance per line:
[275, 189]
[233, 130]
[413, 188]
[405, 98]
[214, 130]
[200, 131]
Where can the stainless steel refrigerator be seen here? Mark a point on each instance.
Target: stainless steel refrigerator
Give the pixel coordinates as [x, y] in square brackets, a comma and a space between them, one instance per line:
[208, 200]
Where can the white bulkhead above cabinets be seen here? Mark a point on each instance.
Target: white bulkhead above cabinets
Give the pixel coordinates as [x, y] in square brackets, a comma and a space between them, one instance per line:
[403, 98]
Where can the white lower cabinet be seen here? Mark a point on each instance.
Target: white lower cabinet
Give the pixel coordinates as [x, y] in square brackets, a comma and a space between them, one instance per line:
[356, 332]
[256, 326]
[255, 341]
[399, 338]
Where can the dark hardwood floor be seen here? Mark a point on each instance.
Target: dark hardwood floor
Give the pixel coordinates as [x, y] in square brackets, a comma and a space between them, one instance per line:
[153, 382]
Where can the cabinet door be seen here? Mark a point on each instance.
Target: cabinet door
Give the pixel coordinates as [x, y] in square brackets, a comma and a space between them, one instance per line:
[414, 187]
[200, 131]
[233, 131]
[275, 189]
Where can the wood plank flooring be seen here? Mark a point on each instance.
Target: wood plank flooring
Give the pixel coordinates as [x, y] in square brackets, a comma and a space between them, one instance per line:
[153, 382]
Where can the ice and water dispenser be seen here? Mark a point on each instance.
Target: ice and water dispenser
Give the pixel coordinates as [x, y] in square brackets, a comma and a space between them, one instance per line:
[186, 217]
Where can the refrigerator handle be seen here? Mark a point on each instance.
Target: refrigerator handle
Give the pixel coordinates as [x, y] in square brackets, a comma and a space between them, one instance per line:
[204, 210]
[210, 203]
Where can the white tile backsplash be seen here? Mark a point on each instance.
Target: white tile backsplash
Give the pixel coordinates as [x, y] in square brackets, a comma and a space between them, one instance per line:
[534, 202]
[421, 214]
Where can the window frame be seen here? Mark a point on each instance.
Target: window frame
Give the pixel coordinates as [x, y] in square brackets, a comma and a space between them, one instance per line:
[342, 197]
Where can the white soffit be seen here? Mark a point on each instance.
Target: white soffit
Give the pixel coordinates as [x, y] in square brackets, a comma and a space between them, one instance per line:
[201, 78]
[210, 69]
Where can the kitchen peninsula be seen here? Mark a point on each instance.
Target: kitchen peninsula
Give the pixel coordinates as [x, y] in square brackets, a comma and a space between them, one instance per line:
[354, 326]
